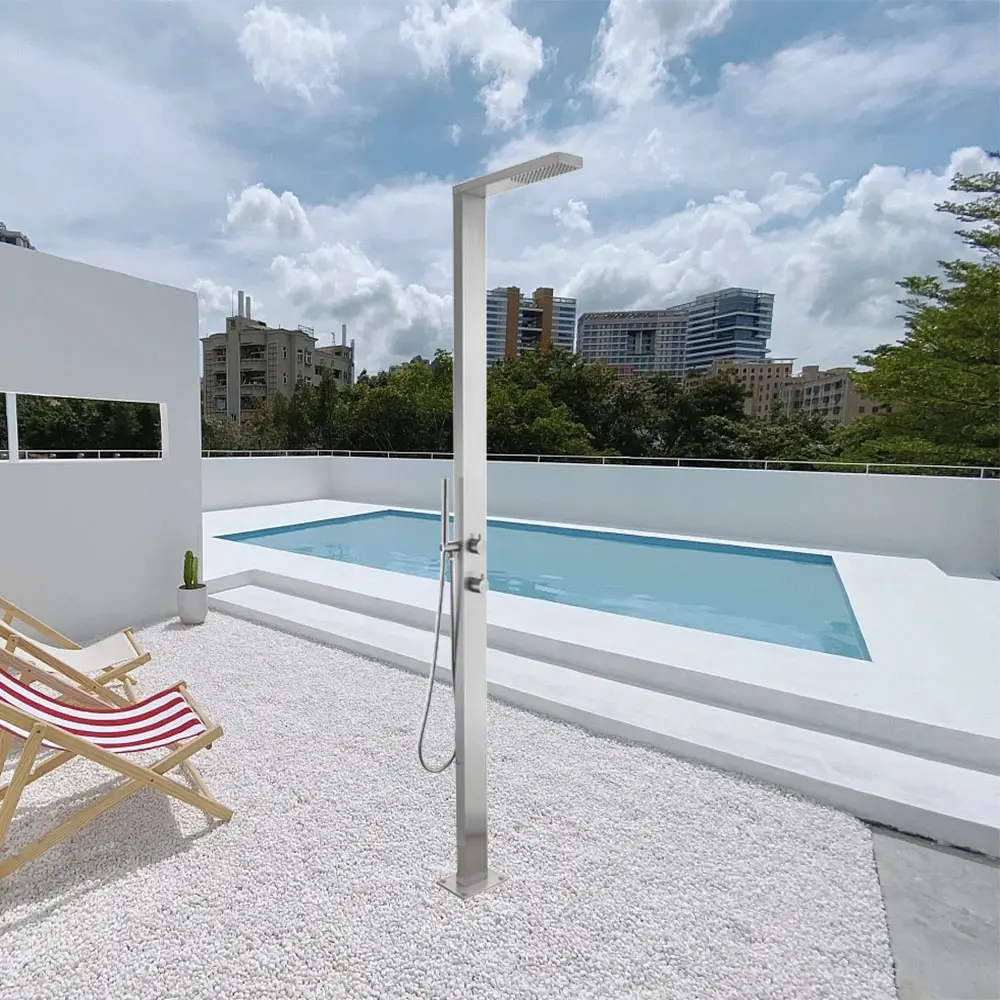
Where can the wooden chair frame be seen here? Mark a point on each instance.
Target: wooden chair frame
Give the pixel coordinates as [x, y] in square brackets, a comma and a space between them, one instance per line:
[67, 680]
[68, 746]
[14, 639]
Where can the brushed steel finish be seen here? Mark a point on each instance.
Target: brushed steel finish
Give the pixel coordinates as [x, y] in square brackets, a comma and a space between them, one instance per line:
[470, 521]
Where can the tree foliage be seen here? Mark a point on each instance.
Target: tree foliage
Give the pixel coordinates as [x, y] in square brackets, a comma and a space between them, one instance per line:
[545, 402]
[52, 423]
[941, 381]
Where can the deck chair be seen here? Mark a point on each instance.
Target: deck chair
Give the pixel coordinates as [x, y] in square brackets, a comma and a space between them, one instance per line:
[170, 720]
[88, 667]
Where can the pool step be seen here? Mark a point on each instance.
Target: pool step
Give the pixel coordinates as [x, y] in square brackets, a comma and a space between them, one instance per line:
[944, 802]
[612, 656]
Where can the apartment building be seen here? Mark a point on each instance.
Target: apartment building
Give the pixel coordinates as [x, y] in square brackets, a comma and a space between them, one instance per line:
[762, 381]
[635, 342]
[339, 358]
[515, 323]
[251, 361]
[734, 323]
[829, 393]
[13, 238]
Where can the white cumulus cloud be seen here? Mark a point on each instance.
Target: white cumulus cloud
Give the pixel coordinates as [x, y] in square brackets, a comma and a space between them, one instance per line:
[832, 80]
[287, 51]
[574, 216]
[392, 319]
[258, 211]
[795, 198]
[639, 38]
[482, 32]
[213, 297]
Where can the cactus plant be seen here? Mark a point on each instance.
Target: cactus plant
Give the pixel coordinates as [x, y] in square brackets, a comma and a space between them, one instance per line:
[190, 571]
[192, 596]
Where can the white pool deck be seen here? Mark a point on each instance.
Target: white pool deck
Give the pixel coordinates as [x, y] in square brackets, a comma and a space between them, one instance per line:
[910, 739]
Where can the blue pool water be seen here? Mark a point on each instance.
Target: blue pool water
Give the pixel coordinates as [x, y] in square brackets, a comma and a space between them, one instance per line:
[789, 598]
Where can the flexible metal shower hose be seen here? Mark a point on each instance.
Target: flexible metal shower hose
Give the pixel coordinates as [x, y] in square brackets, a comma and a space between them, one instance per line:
[447, 559]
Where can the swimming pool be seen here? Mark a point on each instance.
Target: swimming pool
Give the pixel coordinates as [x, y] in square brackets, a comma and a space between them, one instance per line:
[788, 598]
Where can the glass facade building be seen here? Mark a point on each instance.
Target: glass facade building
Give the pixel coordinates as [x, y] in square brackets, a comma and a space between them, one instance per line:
[732, 323]
[635, 342]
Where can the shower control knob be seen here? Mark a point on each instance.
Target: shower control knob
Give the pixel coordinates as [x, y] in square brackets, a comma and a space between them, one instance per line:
[477, 584]
[473, 543]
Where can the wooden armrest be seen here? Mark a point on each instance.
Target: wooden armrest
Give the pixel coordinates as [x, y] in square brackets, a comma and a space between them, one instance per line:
[12, 613]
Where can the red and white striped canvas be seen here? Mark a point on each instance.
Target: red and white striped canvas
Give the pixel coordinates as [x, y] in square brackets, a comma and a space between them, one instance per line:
[159, 721]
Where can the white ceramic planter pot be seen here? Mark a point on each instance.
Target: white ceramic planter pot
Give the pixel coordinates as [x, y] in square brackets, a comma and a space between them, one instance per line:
[192, 605]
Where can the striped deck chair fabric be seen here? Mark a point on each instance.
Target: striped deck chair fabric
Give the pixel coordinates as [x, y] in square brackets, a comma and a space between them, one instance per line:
[169, 720]
[158, 721]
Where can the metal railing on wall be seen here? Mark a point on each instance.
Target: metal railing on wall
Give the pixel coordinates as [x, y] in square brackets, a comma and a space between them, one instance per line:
[867, 468]
[42, 453]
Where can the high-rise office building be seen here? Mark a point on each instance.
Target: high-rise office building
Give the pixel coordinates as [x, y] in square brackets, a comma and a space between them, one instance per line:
[734, 323]
[635, 342]
[252, 361]
[13, 238]
[515, 323]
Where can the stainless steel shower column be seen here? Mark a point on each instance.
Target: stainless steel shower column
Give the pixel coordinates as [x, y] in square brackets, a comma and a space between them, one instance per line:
[469, 577]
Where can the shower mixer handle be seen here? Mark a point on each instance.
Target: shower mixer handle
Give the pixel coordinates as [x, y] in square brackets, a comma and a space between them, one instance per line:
[477, 584]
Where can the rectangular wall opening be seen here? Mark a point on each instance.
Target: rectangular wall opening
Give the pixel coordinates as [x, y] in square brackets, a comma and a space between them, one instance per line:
[75, 427]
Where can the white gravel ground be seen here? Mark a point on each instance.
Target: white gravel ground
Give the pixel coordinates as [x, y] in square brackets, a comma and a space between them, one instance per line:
[627, 873]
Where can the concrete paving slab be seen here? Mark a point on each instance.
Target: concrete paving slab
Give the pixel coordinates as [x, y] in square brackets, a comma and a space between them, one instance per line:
[943, 910]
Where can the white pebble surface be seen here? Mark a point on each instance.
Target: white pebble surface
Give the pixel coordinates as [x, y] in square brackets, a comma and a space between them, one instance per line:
[626, 873]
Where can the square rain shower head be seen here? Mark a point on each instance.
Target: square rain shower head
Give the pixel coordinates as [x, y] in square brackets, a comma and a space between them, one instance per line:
[520, 175]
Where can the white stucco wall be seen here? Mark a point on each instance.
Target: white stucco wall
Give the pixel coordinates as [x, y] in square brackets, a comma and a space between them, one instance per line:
[95, 545]
[228, 483]
[953, 521]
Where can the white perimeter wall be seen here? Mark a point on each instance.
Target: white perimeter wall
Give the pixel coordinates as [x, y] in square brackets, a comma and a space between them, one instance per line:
[253, 482]
[91, 546]
[953, 521]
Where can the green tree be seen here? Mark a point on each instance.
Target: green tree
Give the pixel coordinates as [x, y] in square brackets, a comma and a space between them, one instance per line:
[941, 381]
[223, 434]
[530, 422]
[627, 425]
[795, 437]
[700, 421]
[635, 417]
[407, 408]
[585, 387]
[55, 423]
[547, 402]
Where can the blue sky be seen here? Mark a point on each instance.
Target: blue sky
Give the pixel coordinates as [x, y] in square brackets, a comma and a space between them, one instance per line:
[304, 151]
